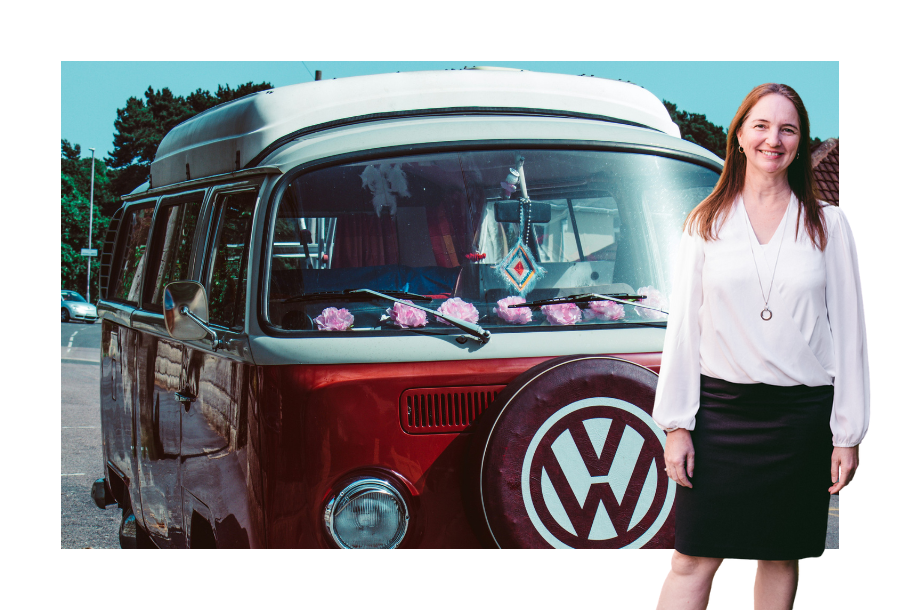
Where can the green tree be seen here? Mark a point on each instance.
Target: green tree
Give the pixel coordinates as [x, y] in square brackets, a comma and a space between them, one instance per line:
[698, 129]
[78, 169]
[75, 216]
[141, 125]
[139, 128]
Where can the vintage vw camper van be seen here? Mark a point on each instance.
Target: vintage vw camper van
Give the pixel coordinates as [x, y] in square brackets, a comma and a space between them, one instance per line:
[405, 310]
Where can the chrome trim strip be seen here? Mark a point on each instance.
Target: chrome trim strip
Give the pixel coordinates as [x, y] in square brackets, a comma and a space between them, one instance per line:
[115, 312]
[149, 321]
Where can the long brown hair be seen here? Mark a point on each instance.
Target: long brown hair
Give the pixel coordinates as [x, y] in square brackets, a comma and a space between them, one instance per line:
[704, 217]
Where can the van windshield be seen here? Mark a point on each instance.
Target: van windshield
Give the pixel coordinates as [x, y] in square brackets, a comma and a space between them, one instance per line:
[451, 227]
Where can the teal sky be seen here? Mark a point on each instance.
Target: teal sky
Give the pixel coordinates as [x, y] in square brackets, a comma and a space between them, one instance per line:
[92, 91]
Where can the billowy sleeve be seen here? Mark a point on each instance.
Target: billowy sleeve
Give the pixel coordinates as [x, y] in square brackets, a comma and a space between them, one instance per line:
[678, 390]
[843, 299]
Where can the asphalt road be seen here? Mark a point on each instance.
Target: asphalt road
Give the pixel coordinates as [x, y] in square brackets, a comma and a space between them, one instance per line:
[83, 525]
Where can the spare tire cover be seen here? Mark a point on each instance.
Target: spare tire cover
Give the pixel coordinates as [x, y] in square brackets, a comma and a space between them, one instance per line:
[567, 456]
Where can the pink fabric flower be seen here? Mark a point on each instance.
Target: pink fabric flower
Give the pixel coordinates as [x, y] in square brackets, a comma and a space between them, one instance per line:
[517, 315]
[459, 309]
[562, 314]
[654, 299]
[604, 310]
[405, 316]
[333, 318]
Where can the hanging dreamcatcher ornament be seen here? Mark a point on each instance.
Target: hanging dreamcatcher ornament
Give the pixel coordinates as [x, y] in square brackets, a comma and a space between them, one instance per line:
[518, 268]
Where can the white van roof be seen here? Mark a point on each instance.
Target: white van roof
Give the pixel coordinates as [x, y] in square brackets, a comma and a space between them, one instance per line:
[240, 133]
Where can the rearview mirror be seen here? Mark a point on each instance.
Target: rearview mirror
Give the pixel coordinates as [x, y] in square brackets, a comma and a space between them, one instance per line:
[181, 295]
[508, 211]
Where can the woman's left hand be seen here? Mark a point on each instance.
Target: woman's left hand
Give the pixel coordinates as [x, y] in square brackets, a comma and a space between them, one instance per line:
[844, 462]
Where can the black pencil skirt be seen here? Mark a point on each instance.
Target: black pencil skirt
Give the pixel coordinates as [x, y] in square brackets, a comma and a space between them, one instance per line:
[762, 469]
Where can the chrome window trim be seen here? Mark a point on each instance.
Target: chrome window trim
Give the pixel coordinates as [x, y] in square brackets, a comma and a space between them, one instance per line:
[135, 315]
[205, 182]
[175, 199]
[204, 250]
[150, 203]
[223, 190]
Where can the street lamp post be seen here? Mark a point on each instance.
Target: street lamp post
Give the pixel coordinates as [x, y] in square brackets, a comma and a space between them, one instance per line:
[90, 228]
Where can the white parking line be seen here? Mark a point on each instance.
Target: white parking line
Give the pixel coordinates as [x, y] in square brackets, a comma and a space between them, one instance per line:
[74, 474]
[72, 338]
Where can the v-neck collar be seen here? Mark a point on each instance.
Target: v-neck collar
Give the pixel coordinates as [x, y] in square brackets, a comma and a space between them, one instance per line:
[779, 230]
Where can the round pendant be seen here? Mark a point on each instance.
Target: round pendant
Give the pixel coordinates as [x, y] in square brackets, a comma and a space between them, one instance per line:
[765, 314]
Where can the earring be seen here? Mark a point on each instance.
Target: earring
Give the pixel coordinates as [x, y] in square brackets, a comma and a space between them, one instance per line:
[741, 148]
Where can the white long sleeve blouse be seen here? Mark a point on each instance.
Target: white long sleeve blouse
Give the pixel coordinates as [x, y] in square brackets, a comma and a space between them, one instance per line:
[816, 335]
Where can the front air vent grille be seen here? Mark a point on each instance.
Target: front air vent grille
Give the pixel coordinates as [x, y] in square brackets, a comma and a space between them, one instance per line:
[441, 410]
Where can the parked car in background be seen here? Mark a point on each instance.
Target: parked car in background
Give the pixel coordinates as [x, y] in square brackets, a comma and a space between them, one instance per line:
[405, 310]
[74, 307]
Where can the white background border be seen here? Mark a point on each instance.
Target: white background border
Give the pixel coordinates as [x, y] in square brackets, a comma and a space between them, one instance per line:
[862, 37]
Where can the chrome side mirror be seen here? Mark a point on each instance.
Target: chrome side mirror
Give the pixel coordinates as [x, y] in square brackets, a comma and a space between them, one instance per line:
[186, 311]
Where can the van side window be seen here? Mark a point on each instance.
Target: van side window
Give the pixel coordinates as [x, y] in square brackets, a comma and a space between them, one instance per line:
[135, 228]
[173, 238]
[227, 280]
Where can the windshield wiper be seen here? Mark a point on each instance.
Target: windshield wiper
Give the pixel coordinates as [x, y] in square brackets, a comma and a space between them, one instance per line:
[353, 295]
[468, 327]
[587, 298]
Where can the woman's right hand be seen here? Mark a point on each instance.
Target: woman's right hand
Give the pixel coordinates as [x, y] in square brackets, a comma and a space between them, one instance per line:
[679, 456]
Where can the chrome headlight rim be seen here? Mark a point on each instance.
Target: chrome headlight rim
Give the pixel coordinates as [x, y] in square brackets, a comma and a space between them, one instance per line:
[354, 488]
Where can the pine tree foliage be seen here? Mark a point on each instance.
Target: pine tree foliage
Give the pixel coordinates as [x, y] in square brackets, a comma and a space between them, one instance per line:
[139, 128]
[75, 216]
[698, 129]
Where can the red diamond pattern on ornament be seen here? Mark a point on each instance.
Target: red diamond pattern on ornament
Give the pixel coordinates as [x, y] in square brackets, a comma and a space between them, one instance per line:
[519, 269]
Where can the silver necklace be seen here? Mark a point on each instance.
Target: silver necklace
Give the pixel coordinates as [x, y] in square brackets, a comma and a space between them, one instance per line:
[766, 313]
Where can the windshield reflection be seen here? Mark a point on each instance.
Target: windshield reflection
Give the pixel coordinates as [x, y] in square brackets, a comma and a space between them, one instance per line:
[440, 225]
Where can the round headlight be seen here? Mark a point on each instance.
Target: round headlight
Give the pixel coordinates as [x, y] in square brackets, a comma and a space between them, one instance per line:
[367, 514]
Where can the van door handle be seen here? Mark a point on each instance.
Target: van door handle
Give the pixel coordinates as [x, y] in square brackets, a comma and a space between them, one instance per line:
[185, 398]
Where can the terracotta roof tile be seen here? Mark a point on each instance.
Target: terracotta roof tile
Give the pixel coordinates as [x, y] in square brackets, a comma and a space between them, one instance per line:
[826, 169]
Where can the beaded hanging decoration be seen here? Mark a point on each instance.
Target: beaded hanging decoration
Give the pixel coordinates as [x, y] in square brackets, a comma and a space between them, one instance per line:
[518, 268]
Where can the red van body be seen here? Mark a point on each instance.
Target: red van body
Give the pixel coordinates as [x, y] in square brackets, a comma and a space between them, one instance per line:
[470, 425]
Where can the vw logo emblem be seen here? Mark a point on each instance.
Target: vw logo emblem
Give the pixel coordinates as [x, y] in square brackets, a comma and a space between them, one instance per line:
[593, 476]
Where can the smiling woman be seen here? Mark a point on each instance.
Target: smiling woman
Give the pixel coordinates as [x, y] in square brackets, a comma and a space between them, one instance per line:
[764, 375]
[770, 137]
